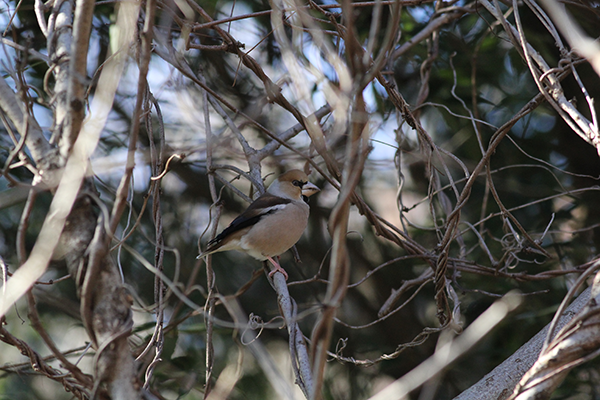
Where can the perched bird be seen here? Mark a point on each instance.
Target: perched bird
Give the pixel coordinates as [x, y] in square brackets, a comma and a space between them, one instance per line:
[272, 224]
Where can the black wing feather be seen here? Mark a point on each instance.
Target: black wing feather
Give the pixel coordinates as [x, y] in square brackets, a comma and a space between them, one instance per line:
[250, 217]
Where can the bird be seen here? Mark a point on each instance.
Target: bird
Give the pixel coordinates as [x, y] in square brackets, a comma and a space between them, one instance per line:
[271, 224]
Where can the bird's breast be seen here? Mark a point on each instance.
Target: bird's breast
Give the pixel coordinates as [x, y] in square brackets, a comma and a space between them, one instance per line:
[275, 233]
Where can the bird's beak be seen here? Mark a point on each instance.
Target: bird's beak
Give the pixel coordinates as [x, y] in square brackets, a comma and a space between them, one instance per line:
[309, 189]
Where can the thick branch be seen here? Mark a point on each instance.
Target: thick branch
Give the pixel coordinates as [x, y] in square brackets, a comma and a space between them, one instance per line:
[26, 125]
[82, 27]
[498, 384]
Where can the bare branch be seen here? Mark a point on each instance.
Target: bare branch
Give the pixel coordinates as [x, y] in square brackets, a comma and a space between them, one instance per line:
[498, 384]
[26, 125]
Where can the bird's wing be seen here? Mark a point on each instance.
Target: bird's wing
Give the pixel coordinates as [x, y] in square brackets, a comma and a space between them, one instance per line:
[264, 205]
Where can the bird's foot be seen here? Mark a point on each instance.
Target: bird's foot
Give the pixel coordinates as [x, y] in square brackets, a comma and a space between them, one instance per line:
[277, 269]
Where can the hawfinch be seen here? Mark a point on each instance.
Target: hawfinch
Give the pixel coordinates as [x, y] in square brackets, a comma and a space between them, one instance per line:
[272, 224]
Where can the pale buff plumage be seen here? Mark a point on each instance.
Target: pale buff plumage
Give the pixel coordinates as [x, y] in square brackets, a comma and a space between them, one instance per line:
[272, 224]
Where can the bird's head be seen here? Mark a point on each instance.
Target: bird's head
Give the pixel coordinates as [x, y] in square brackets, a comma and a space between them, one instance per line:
[293, 185]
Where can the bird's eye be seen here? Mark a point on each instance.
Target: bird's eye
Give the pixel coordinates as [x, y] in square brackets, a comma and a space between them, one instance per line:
[298, 183]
